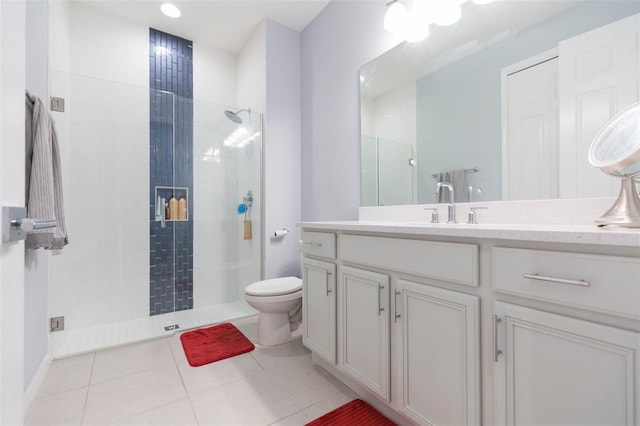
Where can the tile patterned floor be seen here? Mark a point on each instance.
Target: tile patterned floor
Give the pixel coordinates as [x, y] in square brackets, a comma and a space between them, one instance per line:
[151, 383]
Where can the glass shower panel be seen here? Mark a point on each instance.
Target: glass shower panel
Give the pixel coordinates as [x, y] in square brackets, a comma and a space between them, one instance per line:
[152, 184]
[102, 276]
[369, 170]
[227, 244]
[395, 170]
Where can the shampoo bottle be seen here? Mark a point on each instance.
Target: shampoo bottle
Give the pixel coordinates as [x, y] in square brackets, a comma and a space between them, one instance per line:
[182, 209]
[173, 208]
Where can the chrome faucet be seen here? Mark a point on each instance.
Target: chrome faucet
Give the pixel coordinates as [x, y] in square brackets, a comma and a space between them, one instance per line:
[452, 207]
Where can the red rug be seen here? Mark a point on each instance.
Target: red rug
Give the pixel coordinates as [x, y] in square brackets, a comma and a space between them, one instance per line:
[354, 413]
[207, 345]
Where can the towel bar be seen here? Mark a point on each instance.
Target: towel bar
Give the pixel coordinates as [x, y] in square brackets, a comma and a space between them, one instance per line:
[15, 225]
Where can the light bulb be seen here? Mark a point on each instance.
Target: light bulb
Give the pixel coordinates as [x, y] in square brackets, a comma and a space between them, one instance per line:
[416, 29]
[446, 12]
[395, 18]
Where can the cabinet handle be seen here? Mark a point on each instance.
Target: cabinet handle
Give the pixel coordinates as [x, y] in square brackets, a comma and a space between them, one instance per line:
[496, 351]
[329, 273]
[380, 307]
[398, 313]
[313, 244]
[581, 283]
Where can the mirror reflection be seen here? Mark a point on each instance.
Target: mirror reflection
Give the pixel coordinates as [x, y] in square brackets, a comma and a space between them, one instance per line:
[503, 105]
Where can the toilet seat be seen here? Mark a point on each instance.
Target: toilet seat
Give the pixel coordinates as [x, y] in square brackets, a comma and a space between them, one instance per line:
[274, 287]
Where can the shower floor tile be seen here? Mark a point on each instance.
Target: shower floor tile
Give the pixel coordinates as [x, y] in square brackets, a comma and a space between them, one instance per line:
[268, 386]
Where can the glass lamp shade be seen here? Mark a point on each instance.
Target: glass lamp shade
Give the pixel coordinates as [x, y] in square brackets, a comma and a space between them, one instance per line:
[395, 18]
[616, 151]
[446, 13]
[416, 30]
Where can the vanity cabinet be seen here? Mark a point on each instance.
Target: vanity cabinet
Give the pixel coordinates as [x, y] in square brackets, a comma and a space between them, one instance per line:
[471, 328]
[319, 295]
[555, 370]
[436, 354]
[412, 344]
[579, 371]
[364, 329]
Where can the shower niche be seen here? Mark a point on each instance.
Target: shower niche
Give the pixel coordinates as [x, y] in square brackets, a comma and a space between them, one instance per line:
[171, 204]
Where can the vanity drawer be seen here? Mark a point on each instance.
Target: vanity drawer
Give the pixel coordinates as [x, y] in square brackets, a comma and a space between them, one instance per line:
[445, 261]
[609, 284]
[321, 244]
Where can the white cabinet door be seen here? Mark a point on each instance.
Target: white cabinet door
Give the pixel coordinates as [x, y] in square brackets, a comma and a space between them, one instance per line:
[555, 370]
[364, 328]
[598, 77]
[436, 355]
[319, 308]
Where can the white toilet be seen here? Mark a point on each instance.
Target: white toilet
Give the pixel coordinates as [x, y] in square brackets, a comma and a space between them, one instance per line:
[279, 303]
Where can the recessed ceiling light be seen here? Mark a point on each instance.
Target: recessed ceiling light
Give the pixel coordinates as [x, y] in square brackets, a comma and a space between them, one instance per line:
[170, 10]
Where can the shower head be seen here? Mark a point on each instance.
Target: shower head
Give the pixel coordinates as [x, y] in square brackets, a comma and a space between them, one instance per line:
[233, 116]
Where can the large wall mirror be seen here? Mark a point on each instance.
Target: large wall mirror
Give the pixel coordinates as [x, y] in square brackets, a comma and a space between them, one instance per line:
[505, 103]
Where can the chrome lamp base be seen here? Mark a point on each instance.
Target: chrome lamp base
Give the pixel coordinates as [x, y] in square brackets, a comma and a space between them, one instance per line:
[625, 211]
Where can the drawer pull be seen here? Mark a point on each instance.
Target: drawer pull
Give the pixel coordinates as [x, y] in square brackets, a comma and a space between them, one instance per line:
[496, 352]
[380, 307]
[398, 312]
[314, 244]
[581, 283]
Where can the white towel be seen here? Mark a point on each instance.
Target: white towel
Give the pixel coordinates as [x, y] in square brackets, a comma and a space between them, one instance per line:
[44, 179]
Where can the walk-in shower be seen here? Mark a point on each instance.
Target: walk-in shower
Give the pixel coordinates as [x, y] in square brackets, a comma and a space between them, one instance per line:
[151, 189]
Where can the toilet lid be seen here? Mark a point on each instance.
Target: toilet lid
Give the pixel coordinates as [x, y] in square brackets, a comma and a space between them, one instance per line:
[274, 287]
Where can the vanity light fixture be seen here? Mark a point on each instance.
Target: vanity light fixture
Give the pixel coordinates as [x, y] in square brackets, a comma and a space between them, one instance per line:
[170, 10]
[413, 23]
[395, 17]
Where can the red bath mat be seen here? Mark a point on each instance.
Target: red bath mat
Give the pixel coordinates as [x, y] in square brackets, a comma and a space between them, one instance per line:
[211, 344]
[354, 413]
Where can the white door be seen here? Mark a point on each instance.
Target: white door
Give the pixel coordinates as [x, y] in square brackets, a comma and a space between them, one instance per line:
[436, 355]
[530, 143]
[555, 370]
[599, 75]
[364, 328]
[12, 177]
[319, 308]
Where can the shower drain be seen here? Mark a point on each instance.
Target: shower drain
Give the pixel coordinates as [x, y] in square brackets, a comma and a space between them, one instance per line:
[171, 327]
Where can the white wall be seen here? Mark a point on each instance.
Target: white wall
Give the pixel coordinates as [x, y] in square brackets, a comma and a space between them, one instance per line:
[36, 280]
[345, 36]
[12, 86]
[282, 150]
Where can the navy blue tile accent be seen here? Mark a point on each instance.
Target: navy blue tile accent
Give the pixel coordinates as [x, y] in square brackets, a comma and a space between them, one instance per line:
[171, 165]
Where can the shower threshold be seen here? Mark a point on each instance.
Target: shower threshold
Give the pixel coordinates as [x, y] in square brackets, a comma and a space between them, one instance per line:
[84, 340]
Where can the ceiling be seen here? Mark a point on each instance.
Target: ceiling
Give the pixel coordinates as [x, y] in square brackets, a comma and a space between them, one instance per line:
[224, 24]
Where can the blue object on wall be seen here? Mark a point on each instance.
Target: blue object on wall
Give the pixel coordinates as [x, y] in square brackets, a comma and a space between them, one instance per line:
[242, 208]
[171, 152]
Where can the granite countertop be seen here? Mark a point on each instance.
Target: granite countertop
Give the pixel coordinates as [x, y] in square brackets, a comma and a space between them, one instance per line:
[576, 234]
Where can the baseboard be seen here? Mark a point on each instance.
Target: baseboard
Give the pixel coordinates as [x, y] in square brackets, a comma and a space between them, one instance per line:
[32, 390]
